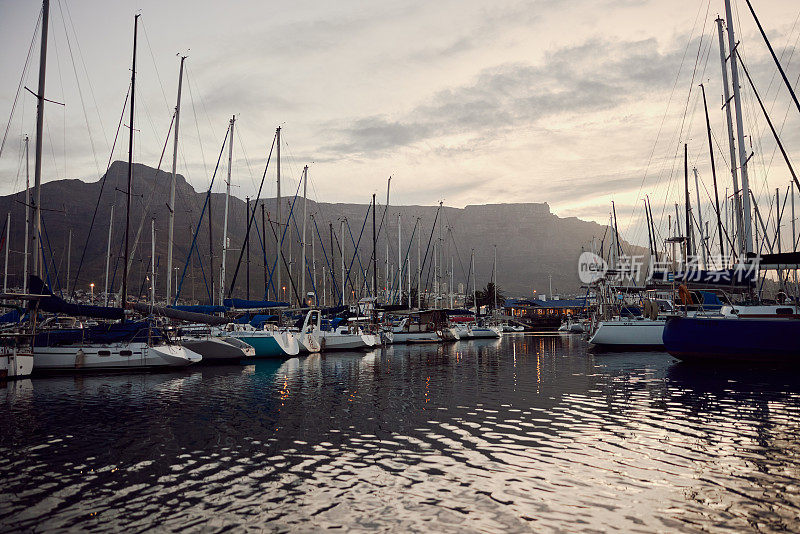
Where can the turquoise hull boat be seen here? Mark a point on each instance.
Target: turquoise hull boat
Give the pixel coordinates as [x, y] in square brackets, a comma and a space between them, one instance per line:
[270, 346]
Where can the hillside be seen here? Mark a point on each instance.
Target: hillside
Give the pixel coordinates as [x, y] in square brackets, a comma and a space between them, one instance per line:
[532, 243]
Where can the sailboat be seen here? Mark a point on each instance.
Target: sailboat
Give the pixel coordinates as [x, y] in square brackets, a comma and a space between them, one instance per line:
[104, 346]
[268, 341]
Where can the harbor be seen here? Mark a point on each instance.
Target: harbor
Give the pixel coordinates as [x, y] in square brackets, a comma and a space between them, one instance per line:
[259, 303]
[530, 432]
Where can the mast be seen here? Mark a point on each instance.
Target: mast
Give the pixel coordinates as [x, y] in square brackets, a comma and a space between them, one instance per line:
[439, 256]
[225, 218]
[400, 262]
[408, 274]
[108, 254]
[303, 241]
[247, 246]
[474, 290]
[386, 211]
[777, 219]
[278, 242]
[344, 277]
[69, 257]
[314, 267]
[333, 271]
[494, 276]
[700, 219]
[713, 175]
[37, 165]
[649, 234]
[28, 218]
[743, 158]
[171, 230]
[419, 270]
[616, 231]
[152, 262]
[8, 236]
[652, 227]
[124, 297]
[374, 254]
[211, 246]
[264, 246]
[689, 251]
[452, 265]
[737, 205]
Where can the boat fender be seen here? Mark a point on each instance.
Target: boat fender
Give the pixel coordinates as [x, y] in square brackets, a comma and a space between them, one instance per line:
[80, 359]
[684, 294]
[646, 308]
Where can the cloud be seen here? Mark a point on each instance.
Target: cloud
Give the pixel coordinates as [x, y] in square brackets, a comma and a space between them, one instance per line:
[593, 76]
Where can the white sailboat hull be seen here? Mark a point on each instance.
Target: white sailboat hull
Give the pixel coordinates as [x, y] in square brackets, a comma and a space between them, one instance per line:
[416, 337]
[645, 333]
[112, 357]
[15, 364]
[337, 341]
[217, 349]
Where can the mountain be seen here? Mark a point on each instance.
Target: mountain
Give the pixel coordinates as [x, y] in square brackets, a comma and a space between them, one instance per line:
[532, 243]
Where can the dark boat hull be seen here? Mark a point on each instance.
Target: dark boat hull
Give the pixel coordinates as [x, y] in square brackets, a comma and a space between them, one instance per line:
[733, 339]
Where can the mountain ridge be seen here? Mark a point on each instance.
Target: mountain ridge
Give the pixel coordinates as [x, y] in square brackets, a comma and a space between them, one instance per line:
[532, 242]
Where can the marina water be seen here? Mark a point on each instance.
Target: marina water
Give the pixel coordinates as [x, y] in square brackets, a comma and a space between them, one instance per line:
[525, 433]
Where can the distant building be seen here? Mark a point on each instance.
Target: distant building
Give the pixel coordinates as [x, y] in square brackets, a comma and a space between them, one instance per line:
[545, 314]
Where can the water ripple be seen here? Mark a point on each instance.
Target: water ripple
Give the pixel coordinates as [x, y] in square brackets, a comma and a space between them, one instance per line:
[529, 433]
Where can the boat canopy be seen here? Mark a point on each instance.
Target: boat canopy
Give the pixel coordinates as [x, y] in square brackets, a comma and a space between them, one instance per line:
[244, 304]
[180, 315]
[131, 331]
[201, 308]
[53, 304]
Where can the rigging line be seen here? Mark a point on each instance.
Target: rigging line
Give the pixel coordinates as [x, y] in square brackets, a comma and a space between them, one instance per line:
[678, 139]
[250, 219]
[196, 122]
[455, 244]
[683, 125]
[86, 72]
[261, 242]
[280, 246]
[102, 187]
[433, 229]
[356, 253]
[669, 103]
[148, 206]
[206, 202]
[202, 101]
[283, 262]
[325, 254]
[405, 259]
[307, 265]
[53, 38]
[769, 45]
[155, 64]
[21, 82]
[80, 92]
[772, 128]
[246, 158]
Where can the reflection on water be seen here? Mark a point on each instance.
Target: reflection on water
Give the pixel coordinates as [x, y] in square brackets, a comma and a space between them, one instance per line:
[527, 433]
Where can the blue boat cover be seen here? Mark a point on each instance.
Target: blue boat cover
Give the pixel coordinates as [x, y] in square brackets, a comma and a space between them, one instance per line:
[209, 310]
[101, 333]
[258, 320]
[53, 304]
[244, 304]
[14, 316]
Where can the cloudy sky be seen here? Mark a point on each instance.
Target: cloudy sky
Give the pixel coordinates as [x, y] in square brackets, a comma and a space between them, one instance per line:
[570, 102]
